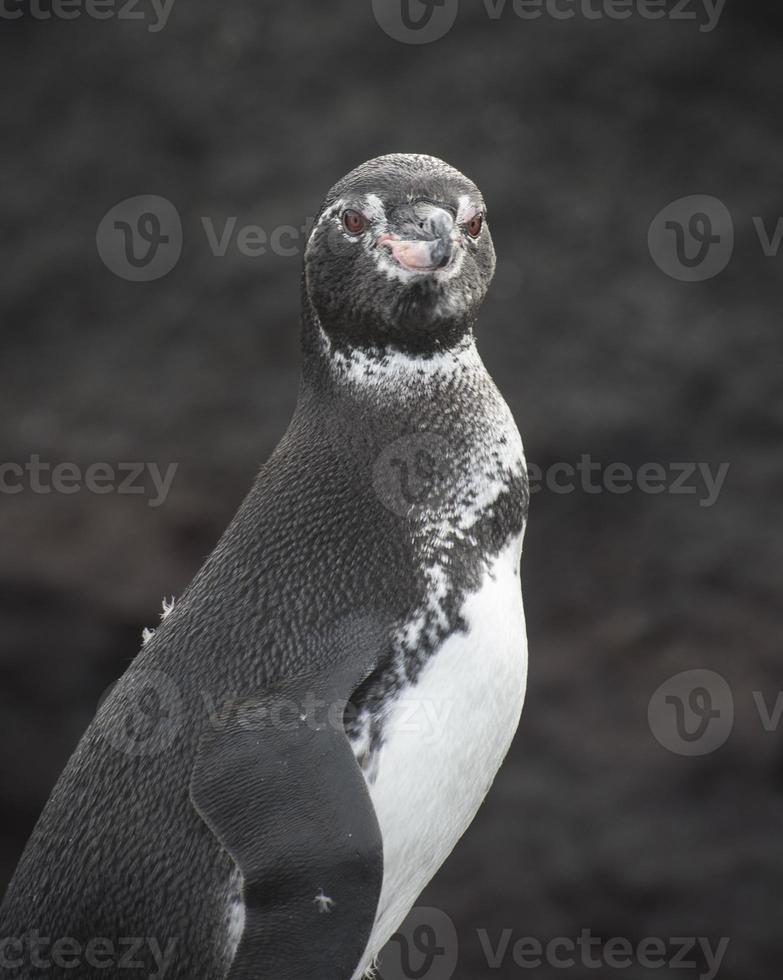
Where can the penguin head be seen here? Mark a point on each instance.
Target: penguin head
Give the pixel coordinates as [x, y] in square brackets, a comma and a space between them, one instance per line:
[400, 256]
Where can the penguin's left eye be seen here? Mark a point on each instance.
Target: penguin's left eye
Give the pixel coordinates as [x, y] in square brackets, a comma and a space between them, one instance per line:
[474, 226]
[354, 221]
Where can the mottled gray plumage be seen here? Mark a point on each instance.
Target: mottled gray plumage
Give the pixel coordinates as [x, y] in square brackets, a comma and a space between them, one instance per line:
[170, 800]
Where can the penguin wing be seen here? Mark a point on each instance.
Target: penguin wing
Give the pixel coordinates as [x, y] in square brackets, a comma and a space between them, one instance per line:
[289, 803]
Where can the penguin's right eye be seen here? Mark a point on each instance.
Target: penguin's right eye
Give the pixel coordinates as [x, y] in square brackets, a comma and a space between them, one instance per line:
[354, 222]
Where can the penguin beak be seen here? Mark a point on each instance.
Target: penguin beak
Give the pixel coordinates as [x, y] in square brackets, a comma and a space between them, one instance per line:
[420, 256]
[424, 239]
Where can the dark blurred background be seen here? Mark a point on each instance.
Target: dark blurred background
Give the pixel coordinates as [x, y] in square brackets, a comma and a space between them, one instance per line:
[579, 132]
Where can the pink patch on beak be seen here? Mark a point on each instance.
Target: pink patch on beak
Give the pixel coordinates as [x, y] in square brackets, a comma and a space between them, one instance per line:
[416, 256]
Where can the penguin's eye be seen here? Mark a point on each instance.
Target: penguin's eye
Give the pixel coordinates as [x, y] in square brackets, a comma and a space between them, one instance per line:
[474, 226]
[354, 222]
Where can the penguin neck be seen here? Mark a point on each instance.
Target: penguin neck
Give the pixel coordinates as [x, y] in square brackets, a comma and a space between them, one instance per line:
[328, 356]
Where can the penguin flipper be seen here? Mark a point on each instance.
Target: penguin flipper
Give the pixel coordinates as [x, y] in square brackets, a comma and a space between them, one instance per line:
[290, 805]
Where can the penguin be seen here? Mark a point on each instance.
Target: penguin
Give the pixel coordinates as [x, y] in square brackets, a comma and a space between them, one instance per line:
[314, 723]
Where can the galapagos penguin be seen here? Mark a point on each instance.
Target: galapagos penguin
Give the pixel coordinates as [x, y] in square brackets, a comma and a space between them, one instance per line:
[299, 745]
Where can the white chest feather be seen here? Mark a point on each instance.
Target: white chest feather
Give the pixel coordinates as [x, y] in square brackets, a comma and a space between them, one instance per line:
[444, 740]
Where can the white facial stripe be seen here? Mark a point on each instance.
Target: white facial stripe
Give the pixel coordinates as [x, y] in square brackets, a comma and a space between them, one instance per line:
[373, 209]
[331, 211]
[375, 212]
[466, 209]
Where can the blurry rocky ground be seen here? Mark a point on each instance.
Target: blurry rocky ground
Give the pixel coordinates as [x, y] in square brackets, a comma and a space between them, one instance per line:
[578, 132]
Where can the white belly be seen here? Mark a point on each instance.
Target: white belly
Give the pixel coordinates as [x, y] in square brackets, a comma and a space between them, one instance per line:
[444, 740]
